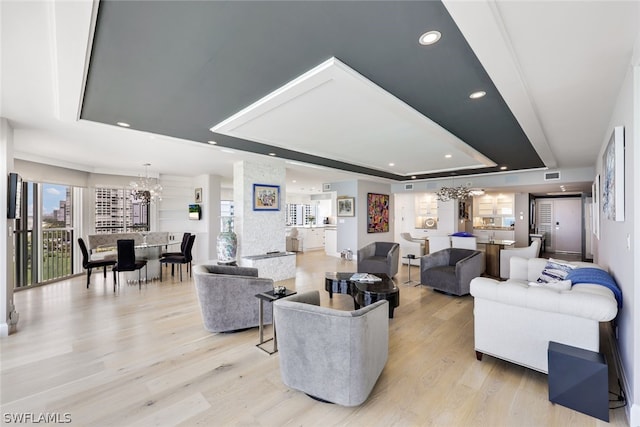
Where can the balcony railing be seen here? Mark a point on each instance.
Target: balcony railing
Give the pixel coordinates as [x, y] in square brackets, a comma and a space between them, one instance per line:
[57, 253]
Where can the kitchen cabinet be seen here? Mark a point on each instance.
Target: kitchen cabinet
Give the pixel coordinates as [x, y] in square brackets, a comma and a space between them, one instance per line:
[426, 211]
[331, 241]
[312, 238]
[491, 205]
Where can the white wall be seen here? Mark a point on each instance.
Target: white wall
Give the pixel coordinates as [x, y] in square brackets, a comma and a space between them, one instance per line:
[347, 226]
[521, 213]
[612, 250]
[6, 239]
[365, 238]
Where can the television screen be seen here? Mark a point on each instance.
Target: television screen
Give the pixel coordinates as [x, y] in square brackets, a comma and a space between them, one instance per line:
[14, 192]
[194, 212]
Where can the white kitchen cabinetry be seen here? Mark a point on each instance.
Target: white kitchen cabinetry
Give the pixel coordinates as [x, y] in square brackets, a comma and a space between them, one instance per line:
[493, 205]
[331, 241]
[312, 238]
[426, 211]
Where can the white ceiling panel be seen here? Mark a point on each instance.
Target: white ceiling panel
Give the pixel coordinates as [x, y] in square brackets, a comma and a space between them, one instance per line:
[334, 112]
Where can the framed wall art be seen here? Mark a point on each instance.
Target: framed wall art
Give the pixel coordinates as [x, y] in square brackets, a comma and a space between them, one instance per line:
[377, 213]
[197, 197]
[613, 176]
[266, 197]
[595, 204]
[346, 206]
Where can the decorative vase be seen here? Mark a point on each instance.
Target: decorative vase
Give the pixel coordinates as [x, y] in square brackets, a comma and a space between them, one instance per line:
[227, 241]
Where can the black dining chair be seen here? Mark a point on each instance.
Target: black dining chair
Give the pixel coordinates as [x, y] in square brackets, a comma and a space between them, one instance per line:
[184, 258]
[89, 264]
[183, 245]
[127, 261]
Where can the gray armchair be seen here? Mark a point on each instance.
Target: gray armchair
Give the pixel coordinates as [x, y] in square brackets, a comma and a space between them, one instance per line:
[227, 297]
[451, 270]
[379, 257]
[332, 355]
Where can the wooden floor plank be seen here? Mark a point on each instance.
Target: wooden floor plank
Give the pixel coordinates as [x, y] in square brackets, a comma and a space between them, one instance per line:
[142, 357]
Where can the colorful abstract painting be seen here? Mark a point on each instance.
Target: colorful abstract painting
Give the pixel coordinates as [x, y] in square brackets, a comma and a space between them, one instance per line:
[377, 213]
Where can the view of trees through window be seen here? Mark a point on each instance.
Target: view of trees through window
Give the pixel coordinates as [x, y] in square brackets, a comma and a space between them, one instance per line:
[57, 231]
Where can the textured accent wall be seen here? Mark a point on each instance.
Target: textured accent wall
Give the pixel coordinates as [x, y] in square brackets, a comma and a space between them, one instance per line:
[258, 232]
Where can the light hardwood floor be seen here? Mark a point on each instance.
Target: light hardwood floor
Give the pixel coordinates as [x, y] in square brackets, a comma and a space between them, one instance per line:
[142, 357]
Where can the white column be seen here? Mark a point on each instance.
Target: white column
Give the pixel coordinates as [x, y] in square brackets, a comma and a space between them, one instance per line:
[262, 231]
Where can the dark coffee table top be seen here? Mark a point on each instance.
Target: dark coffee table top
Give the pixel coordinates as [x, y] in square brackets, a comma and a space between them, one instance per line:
[271, 296]
[385, 285]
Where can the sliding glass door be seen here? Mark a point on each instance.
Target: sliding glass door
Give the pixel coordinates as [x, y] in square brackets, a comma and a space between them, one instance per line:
[44, 236]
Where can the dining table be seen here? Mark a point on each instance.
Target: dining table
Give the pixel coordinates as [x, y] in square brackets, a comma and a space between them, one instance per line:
[150, 252]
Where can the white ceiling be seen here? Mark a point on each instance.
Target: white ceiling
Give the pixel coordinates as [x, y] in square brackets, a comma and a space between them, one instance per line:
[309, 113]
[558, 65]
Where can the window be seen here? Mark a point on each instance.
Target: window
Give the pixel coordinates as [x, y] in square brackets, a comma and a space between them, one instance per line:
[117, 213]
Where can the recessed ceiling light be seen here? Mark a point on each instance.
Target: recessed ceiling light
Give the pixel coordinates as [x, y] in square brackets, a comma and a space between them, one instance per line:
[272, 154]
[212, 142]
[392, 164]
[447, 156]
[294, 181]
[503, 168]
[478, 94]
[413, 177]
[123, 124]
[430, 37]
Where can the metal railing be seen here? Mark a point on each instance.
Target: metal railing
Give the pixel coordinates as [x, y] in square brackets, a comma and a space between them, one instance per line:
[57, 253]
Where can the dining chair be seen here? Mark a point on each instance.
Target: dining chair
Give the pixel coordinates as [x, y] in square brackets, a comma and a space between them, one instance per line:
[89, 264]
[184, 258]
[127, 261]
[183, 245]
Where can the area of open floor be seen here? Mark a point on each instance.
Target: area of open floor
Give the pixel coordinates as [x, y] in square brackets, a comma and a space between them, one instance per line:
[142, 357]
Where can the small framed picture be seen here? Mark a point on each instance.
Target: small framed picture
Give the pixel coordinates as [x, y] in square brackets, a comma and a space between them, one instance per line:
[198, 195]
[266, 197]
[346, 206]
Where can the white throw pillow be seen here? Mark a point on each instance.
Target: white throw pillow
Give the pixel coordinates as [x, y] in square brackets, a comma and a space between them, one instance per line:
[558, 285]
[554, 271]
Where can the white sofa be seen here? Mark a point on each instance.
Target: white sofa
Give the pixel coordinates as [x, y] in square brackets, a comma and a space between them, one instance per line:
[515, 322]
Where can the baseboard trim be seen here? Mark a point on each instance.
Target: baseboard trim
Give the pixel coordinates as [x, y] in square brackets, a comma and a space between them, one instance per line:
[632, 411]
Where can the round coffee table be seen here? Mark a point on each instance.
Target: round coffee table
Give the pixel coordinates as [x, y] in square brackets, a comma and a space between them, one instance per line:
[366, 293]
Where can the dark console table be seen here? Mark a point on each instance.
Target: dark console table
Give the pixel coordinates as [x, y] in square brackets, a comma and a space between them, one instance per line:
[364, 293]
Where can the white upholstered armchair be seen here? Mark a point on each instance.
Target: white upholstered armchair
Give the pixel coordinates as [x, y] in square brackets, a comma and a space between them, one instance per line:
[531, 251]
[409, 245]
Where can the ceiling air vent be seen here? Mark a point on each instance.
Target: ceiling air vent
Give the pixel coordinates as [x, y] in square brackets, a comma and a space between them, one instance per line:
[408, 186]
[326, 187]
[551, 176]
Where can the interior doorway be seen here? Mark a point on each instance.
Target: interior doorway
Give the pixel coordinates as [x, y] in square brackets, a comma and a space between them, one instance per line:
[561, 221]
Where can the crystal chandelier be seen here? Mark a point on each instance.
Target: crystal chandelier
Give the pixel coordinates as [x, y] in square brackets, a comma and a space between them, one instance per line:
[146, 190]
[461, 192]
